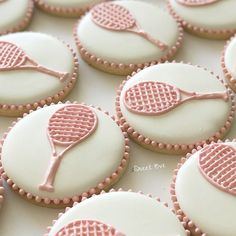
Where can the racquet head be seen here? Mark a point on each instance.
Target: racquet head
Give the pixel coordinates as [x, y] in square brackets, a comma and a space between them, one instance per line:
[72, 124]
[11, 56]
[217, 162]
[151, 98]
[112, 16]
[88, 228]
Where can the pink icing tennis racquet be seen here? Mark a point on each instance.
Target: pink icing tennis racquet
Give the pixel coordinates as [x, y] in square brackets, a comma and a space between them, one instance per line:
[196, 2]
[154, 98]
[14, 58]
[67, 127]
[116, 17]
[88, 228]
[217, 163]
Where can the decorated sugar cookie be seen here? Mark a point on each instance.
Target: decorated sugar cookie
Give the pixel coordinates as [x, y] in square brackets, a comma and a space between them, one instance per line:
[66, 8]
[204, 190]
[69, 156]
[29, 77]
[198, 17]
[228, 62]
[15, 15]
[173, 107]
[121, 27]
[118, 214]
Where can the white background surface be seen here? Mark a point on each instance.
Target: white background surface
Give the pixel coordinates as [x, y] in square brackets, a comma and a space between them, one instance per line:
[21, 218]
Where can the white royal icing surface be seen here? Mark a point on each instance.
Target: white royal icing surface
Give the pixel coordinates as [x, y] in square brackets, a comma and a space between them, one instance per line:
[211, 210]
[188, 123]
[121, 46]
[28, 86]
[218, 15]
[70, 3]
[26, 155]
[12, 12]
[131, 213]
[230, 58]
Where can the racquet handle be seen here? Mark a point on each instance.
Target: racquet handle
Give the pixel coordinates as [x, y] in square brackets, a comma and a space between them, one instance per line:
[223, 95]
[60, 76]
[147, 36]
[47, 184]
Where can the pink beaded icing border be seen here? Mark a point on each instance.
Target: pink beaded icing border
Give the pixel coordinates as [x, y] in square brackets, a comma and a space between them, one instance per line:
[177, 148]
[54, 98]
[110, 180]
[64, 11]
[24, 23]
[119, 190]
[189, 224]
[228, 76]
[131, 67]
[189, 26]
[1, 192]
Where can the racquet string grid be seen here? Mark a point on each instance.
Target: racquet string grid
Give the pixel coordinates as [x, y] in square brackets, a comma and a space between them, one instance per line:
[218, 162]
[71, 123]
[87, 228]
[10, 55]
[113, 16]
[151, 97]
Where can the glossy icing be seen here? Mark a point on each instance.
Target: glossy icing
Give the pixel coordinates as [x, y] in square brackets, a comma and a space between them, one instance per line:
[16, 83]
[155, 98]
[131, 213]
[18, 10]
[217, 162]
[88, 228]
[203, 16]
[193, 121]
[90, 163]
[210, 209]
[230, 58]
[116, 17]
[127, 52]
[67, 127]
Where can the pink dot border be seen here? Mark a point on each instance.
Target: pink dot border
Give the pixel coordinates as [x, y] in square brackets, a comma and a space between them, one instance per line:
[176, 148]
[2, 191]
[63, 11]
[229, 78]
[188, 26]
[25, 21]
[119, 190]
[189, 224]
[67, 201]
[7, 109]
[109, 65]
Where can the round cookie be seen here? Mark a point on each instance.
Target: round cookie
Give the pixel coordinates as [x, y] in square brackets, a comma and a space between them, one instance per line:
[109, 42]
[66, 8]
[174, 107]
[199, 17]
[61, 153]
[204, 190]
[228, 62]
[15, 15]
[121, 214]
[35, 69]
